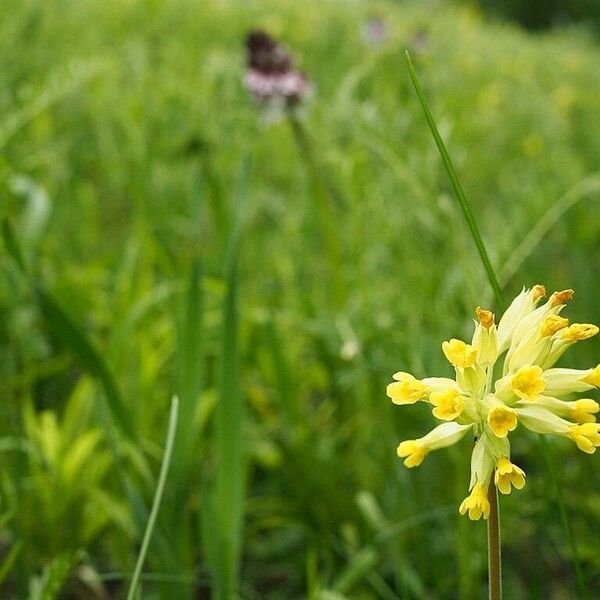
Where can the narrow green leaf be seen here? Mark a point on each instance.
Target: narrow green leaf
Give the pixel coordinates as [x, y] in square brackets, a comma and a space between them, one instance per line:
[160, 486]
[12, 246]
[227, 499]
[49, 584]
[77, 341]
[285, 381]
[460, 195]
[359, 565]
[9, 560]
[326, 199]
[189, 375]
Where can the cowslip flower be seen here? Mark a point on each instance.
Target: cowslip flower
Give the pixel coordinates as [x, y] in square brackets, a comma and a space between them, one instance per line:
[505, 378]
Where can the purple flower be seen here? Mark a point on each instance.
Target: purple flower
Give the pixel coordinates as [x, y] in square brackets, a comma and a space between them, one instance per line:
[271, 77]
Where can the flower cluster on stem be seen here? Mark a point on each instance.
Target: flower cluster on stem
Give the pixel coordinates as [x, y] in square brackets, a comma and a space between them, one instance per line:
[505, 378]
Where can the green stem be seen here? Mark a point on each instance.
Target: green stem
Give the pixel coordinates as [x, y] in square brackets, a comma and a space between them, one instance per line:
[494, 551]
[160, 486]
[326, 198]
[319, 172]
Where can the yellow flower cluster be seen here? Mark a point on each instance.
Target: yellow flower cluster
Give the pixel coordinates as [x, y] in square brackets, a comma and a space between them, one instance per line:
[491, 398]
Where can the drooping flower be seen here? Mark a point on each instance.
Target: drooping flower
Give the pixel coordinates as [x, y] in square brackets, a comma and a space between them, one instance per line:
[271, 76]
[491, 400]
[508, 475]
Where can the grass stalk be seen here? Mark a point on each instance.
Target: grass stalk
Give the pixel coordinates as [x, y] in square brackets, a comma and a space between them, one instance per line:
[160, 486]
[224, 506]
[493, 280]
[326, 198]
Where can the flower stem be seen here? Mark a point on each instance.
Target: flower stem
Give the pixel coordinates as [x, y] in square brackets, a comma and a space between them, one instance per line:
[494, 552]
[326, 199]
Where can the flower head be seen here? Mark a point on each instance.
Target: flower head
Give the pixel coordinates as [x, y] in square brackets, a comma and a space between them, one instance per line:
[527, 382]
[501, 420]
[447, 404]
[406, 389]
[476, 503]
[508, 475]
[271, 76]
[491, 399]
[459, 354]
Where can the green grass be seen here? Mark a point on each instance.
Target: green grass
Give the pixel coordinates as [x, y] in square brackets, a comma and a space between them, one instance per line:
[123, 131]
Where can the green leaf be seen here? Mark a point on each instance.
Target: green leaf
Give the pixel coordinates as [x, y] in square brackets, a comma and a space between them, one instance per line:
[458, 191]
[225, 507]
[189, 376]
[77, 341]
[12, 246]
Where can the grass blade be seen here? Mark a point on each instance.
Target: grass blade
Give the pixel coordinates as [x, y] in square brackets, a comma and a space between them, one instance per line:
[76, 340]
[460, 195]
[179, 556]
[224, 510]
[160, 486]
[325, 201]
[12, 246]
[285, 381]
[473, 228]
[189, 376]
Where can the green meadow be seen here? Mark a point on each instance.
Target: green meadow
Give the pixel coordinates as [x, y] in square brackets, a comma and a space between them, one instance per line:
[165, 235]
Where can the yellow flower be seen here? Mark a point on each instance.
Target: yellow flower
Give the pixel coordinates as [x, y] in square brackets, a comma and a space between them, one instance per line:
[459, 354]
[578, 332]
[507, 475]
[579, 411]
[586, 436]
[506, 377]
[551, 324]
[448, 404]
[528, 383]
[476, 503]
[583, 410]
[594, 377]
[441, 436]
[406, 389]
[501, 420]
[415, 454]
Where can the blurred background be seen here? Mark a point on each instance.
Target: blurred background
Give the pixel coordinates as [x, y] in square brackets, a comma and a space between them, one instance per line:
[165, 232]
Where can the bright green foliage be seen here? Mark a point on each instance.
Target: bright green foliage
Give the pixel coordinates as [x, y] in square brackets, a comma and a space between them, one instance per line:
[123, 126]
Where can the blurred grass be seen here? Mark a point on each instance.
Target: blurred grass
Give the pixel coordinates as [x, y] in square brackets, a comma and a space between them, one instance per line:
[122, 128]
